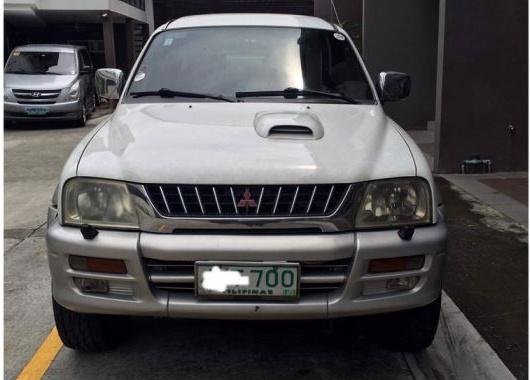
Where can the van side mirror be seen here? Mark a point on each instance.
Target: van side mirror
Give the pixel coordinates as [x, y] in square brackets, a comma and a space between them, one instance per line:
[393, 86]
[109, 83]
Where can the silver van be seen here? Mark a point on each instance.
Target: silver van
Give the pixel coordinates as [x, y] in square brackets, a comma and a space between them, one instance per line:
[49, 82]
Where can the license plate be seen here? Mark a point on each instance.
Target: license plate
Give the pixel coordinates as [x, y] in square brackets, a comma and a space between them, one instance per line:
[36, 111]
[247, 280]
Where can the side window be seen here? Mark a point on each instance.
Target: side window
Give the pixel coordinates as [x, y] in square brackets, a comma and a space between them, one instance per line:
[84, 59]
[80, 60]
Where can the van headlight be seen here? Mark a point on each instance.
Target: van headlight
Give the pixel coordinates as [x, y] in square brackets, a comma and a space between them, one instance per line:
[395, 202]
[99, 203]
[73, 92]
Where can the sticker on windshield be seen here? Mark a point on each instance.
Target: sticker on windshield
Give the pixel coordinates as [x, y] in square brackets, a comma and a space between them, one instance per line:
[168, 41]
[339, 36]
[138, 77]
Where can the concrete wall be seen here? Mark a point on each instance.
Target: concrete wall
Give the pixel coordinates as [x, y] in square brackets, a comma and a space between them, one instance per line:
[484, 86]
[402, 36]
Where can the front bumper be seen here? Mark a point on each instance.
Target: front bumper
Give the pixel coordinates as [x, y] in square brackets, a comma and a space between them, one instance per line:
[58, 111]
[132, 294]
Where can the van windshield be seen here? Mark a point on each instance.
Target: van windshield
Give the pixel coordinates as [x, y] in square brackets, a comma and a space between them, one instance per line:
[230, 61]
[28, 62]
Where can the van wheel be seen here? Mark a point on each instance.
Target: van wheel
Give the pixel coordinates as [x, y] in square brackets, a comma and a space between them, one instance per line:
[81, 122]
[88, 332]
[410, 330]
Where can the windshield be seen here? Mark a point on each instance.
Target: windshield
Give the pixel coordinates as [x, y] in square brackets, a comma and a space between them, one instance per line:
[229, 60]
[28, 62]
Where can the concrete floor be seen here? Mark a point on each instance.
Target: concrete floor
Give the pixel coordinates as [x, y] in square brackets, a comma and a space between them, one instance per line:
[159, 348]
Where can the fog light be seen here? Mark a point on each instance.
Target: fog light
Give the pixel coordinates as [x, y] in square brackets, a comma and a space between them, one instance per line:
[99, 265]
[91, 285]
[396, 264]
[402, 283]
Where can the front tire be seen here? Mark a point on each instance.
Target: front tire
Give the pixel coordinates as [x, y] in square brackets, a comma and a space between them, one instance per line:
[411, 330]
[87, 332]
[81, 122]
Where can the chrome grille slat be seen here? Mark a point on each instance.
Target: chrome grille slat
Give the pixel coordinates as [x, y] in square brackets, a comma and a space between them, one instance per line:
[277, 200]
[260, 198]
[182, 200]
[311, 199]
[199, 199]
[252, 201]
[329, 198]
[234, 200]
[165, 200]
[294, 200]
[216, 200]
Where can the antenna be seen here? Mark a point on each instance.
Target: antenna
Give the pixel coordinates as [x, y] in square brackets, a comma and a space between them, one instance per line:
[335, 10]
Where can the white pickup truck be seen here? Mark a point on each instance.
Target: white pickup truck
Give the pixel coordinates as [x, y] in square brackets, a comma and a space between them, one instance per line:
[248, 172]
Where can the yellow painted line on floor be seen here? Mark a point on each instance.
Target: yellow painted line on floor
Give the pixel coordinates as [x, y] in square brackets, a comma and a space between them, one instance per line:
[39, 363]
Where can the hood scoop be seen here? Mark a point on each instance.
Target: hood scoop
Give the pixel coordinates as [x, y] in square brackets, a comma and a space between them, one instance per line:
[288, 125]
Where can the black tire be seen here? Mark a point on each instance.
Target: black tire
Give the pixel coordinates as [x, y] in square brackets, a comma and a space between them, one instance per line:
[88, 332]
[411, 330]
[81, 122]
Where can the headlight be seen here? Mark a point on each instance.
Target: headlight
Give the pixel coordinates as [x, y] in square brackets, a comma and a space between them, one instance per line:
[394, 203]
[7, 91]
[99, 203]
[73, 93]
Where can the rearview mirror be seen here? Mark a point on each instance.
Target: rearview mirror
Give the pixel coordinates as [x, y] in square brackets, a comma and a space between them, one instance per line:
[393, 86]
[109, 83]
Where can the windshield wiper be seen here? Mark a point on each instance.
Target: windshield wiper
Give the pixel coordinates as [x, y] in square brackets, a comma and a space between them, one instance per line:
[293, 93]
[167, 93]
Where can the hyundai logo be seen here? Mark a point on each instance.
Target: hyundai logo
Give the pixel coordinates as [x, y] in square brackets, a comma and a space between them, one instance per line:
[35, 94]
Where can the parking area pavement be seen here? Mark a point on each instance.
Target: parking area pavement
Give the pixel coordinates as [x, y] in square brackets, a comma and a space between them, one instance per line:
[186, 349]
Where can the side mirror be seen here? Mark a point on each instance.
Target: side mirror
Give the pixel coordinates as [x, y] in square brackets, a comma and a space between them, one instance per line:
[393, 86]
[109, 83]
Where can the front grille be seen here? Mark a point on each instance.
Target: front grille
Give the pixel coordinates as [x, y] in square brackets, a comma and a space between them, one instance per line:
[33, 102]
[36, 96]
[246, 201]
[316, 277]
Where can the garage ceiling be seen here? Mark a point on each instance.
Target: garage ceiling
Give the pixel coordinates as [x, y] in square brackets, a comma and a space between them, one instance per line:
[165, 10]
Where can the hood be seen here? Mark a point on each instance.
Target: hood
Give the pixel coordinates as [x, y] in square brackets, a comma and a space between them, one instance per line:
[218, 143]
[38, 82]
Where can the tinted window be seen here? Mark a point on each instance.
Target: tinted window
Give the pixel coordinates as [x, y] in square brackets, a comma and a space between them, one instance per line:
[24, 62]
[225, 60]
[86, 58]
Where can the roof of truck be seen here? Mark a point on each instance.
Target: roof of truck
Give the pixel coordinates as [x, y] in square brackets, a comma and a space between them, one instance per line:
[248, 19]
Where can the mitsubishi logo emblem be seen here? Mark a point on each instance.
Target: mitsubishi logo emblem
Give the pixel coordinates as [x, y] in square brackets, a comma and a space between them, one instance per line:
[35, 94]
[247, 200]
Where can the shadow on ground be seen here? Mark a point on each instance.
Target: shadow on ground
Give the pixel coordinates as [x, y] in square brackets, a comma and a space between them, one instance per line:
[486, 274]
[164, 349]
[42, 125]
